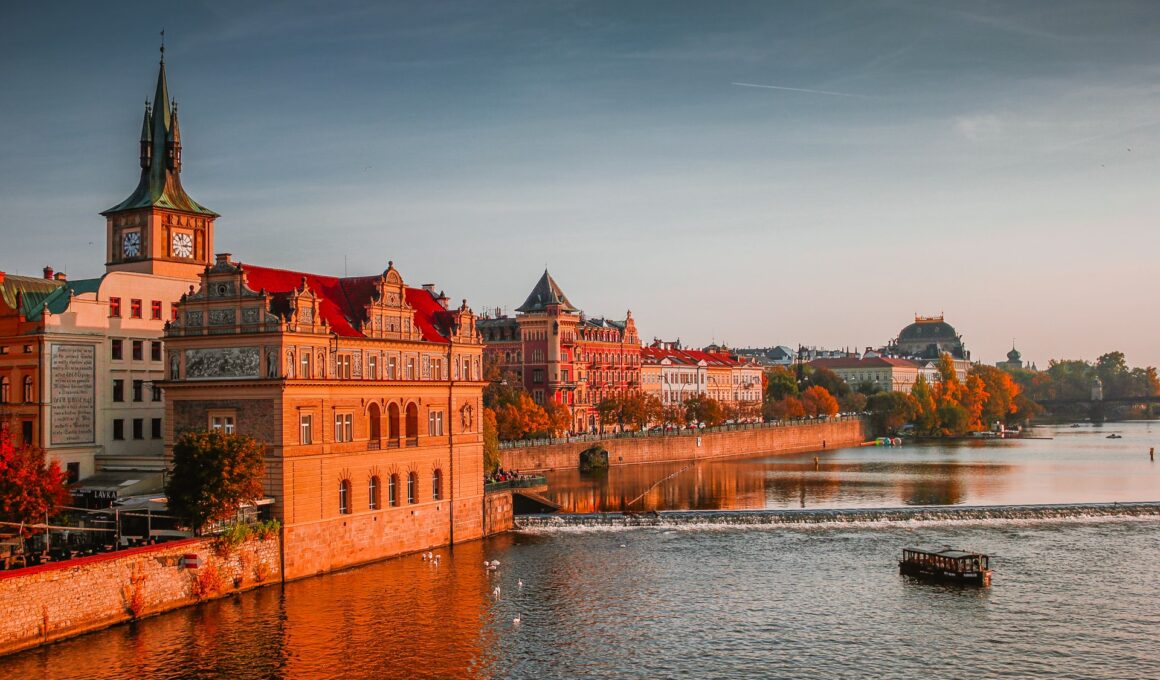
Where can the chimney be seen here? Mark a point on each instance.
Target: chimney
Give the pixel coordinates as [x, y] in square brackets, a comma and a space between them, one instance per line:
[223, 258]
[429, 287]
[48, 273]
[60, 276]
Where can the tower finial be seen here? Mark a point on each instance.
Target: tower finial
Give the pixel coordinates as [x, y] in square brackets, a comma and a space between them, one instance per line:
[163, 46]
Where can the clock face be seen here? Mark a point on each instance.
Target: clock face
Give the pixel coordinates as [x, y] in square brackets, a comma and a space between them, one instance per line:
[182, 245]
[131, 243]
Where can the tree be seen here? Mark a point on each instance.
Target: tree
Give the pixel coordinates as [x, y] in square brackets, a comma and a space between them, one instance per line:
[975, 398]
[611, 409]
[785, 409]
[854, 402]
[824, 377]
[925, 417]
[30, 488]
[559, 418]
[891, 410]
[522, 417]
[1002, 403]
[780, 383]
[953, 420]
[490, 442]
[704, 409]
[817, 401]
[213, 474]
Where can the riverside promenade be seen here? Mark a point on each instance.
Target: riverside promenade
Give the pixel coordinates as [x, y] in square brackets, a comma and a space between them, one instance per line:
[783, 437]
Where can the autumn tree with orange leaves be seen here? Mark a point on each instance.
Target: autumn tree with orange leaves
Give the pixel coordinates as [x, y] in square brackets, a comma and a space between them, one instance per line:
[30, 488]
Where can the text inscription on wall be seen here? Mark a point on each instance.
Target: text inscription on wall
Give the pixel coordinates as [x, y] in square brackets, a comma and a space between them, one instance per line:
[73, 390]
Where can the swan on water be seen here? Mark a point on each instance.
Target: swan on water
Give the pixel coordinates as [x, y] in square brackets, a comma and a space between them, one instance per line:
[520, 583]
[516, 620]
[495, 593]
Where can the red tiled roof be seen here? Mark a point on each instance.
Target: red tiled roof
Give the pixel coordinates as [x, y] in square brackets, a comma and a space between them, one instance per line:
[685, 356]
[872, 362]
[342, 301]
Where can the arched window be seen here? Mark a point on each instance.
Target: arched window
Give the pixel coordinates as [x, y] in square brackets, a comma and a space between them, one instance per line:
[412, 422]
[393, 424]
[373, 487]
[344, 497]
[437, 485]
[374, 424]
[412, 483]
[393, 491]
[5, 390]
[28, 389]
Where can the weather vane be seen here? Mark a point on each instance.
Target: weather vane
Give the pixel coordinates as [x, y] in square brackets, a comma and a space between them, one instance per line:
[163, 45]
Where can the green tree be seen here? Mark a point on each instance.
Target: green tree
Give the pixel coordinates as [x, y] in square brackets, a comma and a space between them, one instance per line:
[827, 379]
[490, 442]
[953, 420]
[780, 383]
[925, 415]
[854, 402]
[889, 411]
[213, 474]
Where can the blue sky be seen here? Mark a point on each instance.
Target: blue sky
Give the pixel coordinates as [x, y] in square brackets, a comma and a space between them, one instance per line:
[993, 161]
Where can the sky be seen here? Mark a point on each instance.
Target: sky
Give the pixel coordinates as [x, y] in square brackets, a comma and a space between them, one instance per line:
[753, 173]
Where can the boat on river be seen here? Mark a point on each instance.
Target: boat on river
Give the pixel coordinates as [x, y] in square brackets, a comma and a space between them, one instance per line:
[946, 564]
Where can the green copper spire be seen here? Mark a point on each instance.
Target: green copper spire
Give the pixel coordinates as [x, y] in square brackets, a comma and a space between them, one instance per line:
[160, 183]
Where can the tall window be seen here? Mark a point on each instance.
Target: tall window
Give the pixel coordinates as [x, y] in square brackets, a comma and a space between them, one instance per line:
[435, 423]
[138, 390]
[155, 350]
[135, 308]
[27, 389]
[393, 491]
[155, 428]
[138, 428]
[117, 349]
[373, 367]
[305, 365]
[437, 485]
[156, 396]
[138, 350]
[343, 427]
[392, 369]
[172, 311]
[118, 429]
[155, 310]
[344, 497]
[306, 429]
[118, 390]
[115, 307]
[342, 363]
[373, 489]
[412, 482]
[411, 368]
[5, 390]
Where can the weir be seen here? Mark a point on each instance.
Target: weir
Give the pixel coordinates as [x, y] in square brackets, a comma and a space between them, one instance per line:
[926, 513]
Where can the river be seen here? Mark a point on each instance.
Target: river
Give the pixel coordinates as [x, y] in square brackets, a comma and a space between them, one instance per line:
[1074, 597]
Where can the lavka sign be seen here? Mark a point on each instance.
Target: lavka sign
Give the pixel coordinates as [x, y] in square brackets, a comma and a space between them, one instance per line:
[73, 389]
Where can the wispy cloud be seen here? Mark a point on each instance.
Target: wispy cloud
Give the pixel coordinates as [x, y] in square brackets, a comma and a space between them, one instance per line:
[979, 128]
[802, 89]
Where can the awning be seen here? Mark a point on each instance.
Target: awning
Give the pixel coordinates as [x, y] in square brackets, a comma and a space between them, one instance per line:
[109, 485]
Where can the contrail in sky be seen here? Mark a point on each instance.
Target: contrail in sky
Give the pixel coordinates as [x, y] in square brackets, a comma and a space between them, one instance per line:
[799, 89]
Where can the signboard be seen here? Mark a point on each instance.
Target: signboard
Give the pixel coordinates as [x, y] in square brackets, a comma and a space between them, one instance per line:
[223, 362]
[73, 392]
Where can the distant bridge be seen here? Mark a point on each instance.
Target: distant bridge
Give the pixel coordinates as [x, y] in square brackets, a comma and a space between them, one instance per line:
[1096, 406]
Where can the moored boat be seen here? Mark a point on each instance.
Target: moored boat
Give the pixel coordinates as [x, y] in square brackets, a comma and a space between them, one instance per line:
[946, 564]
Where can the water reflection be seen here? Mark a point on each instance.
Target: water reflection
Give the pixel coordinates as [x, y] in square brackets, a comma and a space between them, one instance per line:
[1067, 465]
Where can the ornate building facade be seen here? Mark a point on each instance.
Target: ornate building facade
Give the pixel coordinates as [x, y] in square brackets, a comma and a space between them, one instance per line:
[563, 356]
[366, 392]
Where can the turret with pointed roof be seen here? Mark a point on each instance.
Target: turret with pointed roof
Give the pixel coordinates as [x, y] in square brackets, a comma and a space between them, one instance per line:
[160, 183]
[546, 292]
[159, 229]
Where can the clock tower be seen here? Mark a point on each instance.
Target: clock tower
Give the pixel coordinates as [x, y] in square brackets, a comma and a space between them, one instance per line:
[159, 229]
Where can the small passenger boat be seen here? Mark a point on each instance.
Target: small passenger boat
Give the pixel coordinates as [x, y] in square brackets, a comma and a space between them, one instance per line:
[946, 564]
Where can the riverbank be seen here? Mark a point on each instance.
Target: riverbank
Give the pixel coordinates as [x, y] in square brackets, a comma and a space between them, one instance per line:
[766, 439]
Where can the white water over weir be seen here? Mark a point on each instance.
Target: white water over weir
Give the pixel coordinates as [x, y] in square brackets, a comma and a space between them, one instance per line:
[927, 513]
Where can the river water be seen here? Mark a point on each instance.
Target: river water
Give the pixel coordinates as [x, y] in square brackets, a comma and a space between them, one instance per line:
[1072, 598]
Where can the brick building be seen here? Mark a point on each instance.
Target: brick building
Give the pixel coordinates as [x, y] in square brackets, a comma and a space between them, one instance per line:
[562, 355]
[367, 393]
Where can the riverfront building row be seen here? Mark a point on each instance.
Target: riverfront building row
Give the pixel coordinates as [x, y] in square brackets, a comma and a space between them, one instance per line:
[563, 356]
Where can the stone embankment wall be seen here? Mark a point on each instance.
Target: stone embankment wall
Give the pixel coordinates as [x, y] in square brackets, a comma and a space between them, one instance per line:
[53, 601]
[629, 451]
[497, 512]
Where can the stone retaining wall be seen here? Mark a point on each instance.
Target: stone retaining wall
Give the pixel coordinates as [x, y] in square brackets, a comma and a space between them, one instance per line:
[629, 451]
[53, 601]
